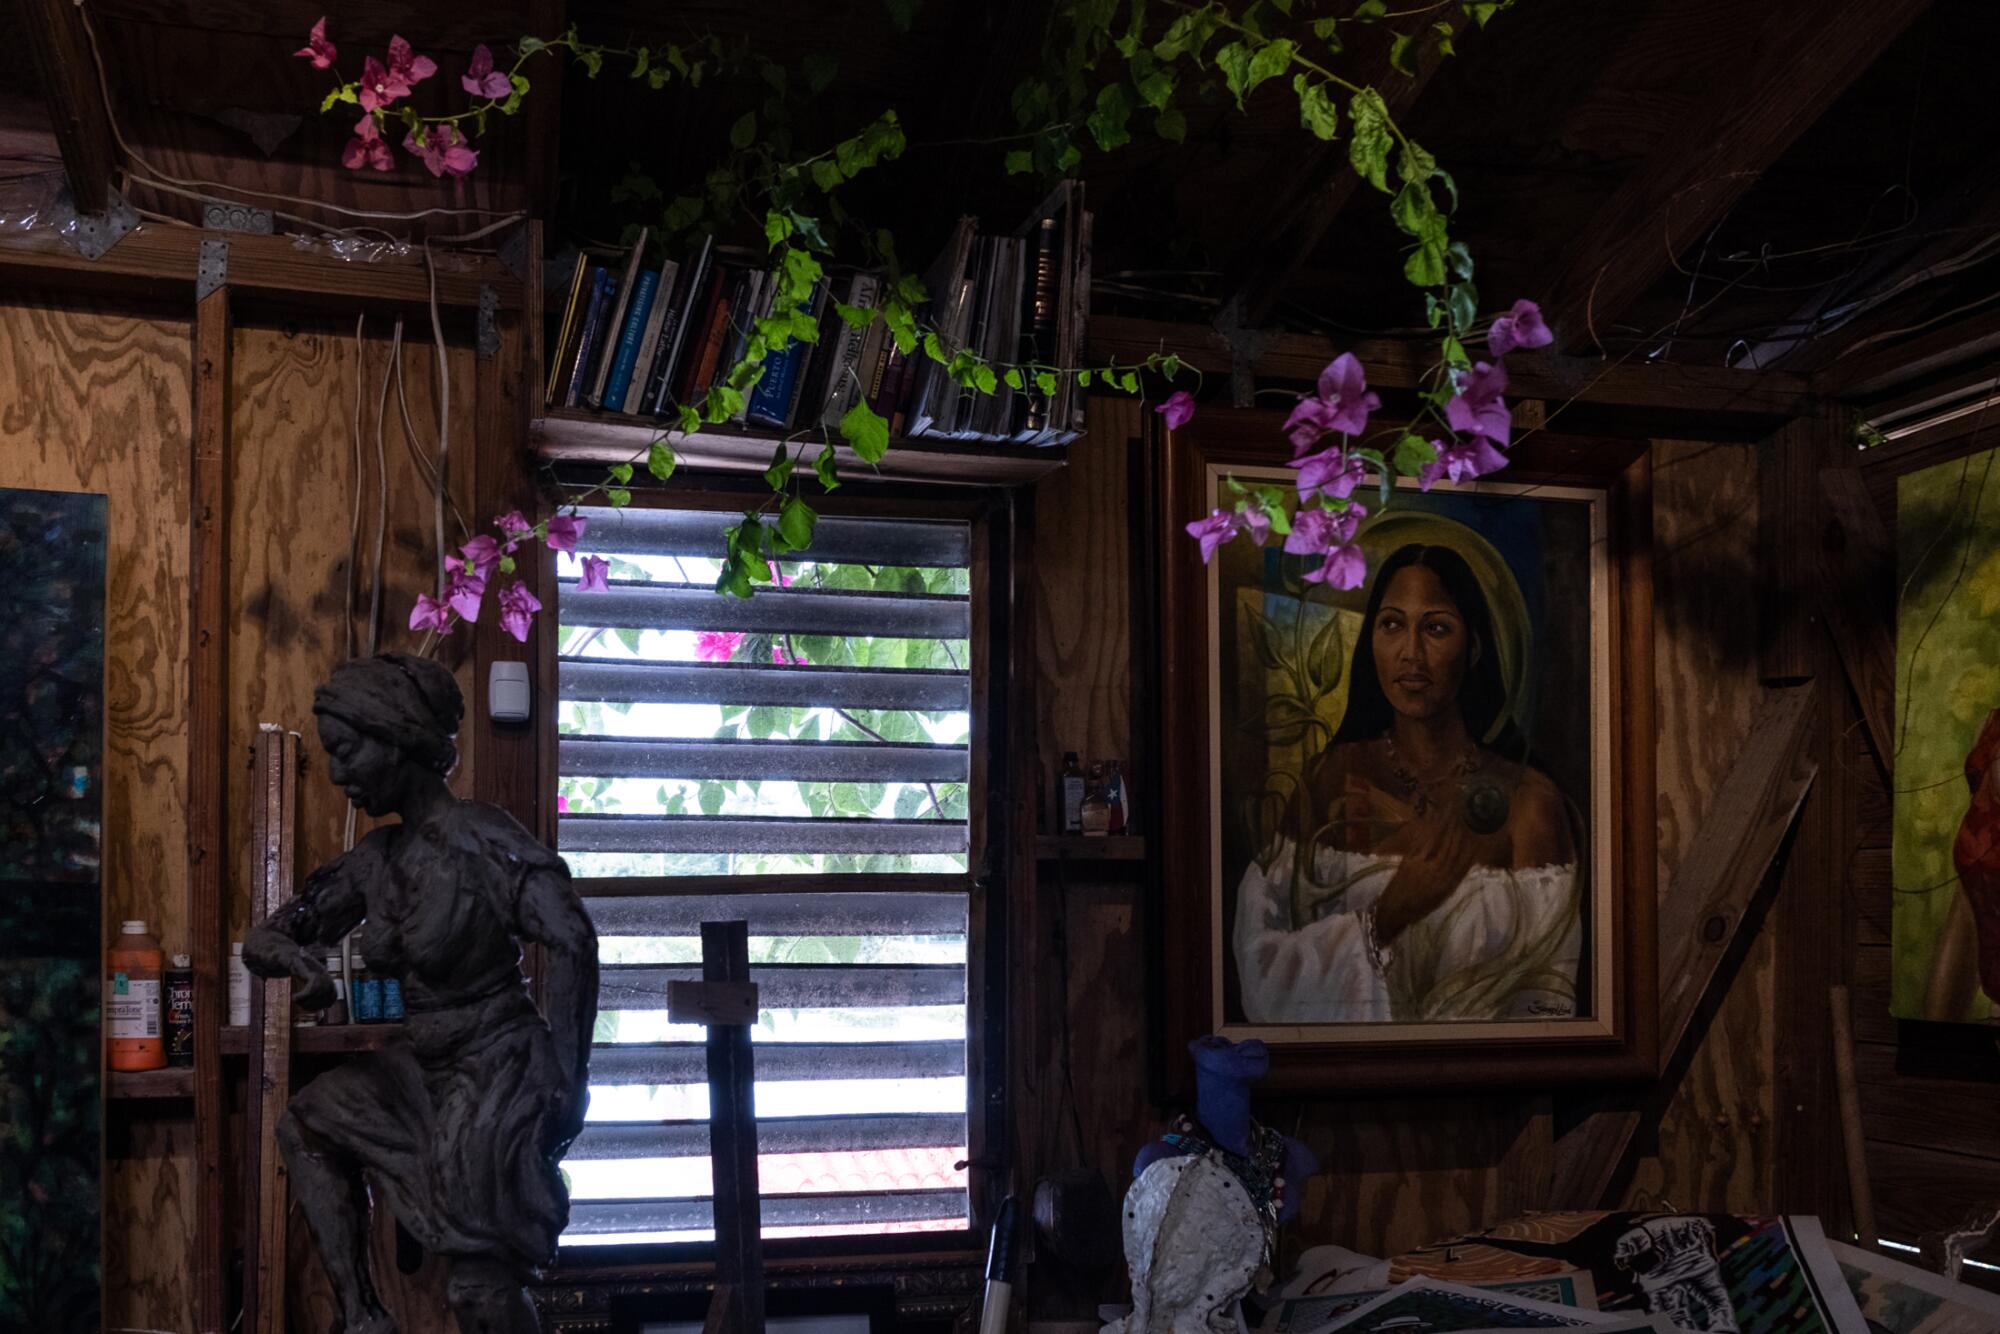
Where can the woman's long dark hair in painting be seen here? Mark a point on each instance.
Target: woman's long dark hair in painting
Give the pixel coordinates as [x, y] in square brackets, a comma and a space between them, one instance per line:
[1482, 698]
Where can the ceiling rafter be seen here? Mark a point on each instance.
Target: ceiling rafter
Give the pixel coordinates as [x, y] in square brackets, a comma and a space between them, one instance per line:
[1804, 58]
[60, 51]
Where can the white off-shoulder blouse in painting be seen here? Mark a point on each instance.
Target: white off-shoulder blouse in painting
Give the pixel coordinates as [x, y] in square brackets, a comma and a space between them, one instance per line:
[1505, 945]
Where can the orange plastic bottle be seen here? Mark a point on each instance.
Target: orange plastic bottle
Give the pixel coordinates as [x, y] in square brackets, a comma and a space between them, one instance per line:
[132, 1000]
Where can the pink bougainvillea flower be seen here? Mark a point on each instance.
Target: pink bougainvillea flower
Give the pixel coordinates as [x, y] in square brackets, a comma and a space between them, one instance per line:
[1461, 460]
[317, 49]
[481, 79]
[595, 569]
[367, 148]
[407, 64]
[443, 150]
[1316, 528]
[482, 553]
[1345, 567]
[1332, 471]
[430, 615]
[717, 645]
[785, 657]
[1178, 409]
[1522, 326]
[1216, 529]
[1342, 404]
[1256, 522]
[564, 530]
[465, 592]
[562, 804]
[379, 85]
[513, 526]
[1478, 408]
[778, 576]
[517, 610]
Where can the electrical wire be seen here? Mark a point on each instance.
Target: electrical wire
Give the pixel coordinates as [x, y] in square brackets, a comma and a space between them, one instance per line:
[354, 507]
[382, 486]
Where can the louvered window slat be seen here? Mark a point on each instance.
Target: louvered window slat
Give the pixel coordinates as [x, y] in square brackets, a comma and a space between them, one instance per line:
[816, 745]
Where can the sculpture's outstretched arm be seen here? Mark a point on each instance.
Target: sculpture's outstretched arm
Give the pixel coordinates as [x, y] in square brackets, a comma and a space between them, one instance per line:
[552, 916]
[332, 903]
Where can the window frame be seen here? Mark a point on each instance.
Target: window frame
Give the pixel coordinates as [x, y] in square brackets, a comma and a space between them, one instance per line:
[993, 851]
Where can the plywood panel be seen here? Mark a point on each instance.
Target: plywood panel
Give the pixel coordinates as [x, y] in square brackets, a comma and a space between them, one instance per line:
[96, 400]
[1713, 1147]
[292, 405]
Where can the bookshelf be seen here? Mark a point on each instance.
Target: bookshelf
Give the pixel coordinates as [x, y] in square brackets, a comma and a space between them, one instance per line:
[568, 435]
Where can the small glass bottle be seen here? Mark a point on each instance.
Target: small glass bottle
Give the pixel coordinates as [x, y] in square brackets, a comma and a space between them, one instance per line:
[336, 1013]
[392, 1000]
[1114, 787]
[1073, 789]
[132, 1000]
[239, 987]
[1096, 810]
[180, 1011]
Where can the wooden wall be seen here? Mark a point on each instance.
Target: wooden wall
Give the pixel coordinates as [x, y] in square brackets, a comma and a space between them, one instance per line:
[1399, 1171]
[95, 398]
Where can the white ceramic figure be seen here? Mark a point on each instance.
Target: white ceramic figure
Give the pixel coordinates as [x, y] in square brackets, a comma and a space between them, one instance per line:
[1194, 1244]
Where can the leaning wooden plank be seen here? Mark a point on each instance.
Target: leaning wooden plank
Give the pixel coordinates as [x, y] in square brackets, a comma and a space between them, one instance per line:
[1711, 896]
[267, 1193]
[1858, 563]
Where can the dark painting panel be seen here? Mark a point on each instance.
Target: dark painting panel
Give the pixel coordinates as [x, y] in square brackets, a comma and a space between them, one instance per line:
[52, 563]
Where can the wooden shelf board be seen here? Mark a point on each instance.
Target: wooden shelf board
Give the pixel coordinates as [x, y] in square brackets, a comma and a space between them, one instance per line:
[567, 435]
[161, 260]
[319, 1038]
[175, 1081]
[1090, 847]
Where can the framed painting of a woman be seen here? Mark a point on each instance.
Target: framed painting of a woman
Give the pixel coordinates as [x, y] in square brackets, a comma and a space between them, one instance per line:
[1415, 818]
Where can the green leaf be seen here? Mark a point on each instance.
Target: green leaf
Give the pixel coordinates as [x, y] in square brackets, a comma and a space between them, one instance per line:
[1014, 378]
[640, 60]
[1460, 260]
[1425, 266]
[1129, 382]
[1413, 210]
[690, 419]
[1020, 160]
[827, 175]
[795, 523]
[984, 380]
[780, 471]
[507, 564]
[776, 228]
[934, 349]
[1316, 110]
[712, 796]
[1399, 54]
[660, 460]
[854, 317]
[824, 466]
[619, 497]
[1171, 125]
[528, 46]
[820, 69]
[901, 320]
[1445, 33]
[621, 472]
[744, 131]
[1412, 453]
[591, 59]
[1464, 308]
[1045, 381]
[344, 93]
[1369, 148]
[1480, 11]
[1170, 365]
[1454, 355]
[902, 13]
[1156, 88]
[866, 431]
[1234, 60]
[1108, 121]
[1083, 379]
[1370, 10]
[1415, 165]
[723, 402]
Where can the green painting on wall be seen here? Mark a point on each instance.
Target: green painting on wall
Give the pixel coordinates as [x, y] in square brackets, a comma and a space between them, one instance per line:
[1946, 763]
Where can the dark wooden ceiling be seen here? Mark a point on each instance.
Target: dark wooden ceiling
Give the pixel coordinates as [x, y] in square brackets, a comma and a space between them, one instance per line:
[1796, 184]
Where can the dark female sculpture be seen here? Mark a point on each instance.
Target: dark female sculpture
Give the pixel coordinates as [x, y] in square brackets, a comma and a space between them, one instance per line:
[457, 1128]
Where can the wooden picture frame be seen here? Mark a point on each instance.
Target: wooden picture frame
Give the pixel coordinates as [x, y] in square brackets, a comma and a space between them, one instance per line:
[1611, 1032]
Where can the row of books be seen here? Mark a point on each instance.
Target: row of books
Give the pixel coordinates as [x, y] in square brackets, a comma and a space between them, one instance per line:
[641, 340]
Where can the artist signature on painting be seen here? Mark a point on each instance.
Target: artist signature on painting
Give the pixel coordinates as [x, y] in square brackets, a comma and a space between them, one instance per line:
[1542, 1009]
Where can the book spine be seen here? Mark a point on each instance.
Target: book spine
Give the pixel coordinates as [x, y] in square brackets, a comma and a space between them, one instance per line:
[711, 352]
[695, 338]
[842, 373]
[565, 344]
[641, 309]
[593, 325]
[649, 344]
[674, 338]
[817, 379]
[628, 283]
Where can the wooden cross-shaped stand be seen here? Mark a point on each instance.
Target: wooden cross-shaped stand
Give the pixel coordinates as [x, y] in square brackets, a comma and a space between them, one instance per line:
[725, 1002]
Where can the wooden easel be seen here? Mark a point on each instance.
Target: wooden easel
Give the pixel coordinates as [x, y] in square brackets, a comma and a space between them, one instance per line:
[725, 1002]
[274, 819]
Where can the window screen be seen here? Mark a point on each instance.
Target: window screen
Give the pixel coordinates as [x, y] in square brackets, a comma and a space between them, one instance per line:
[801, 760]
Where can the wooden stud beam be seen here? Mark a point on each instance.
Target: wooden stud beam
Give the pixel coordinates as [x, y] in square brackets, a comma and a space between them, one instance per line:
[1702, 918]
[59, 48]
[428, 27]
[1889, 365]
[1806, 57]
[160, 261]
[1857, 574]
[1263, 267]
[208, 790]
[1717, 392]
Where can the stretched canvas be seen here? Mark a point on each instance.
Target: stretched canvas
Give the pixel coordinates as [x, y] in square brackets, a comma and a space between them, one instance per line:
[1903, 1299]
[51, 919]
[1945, 932]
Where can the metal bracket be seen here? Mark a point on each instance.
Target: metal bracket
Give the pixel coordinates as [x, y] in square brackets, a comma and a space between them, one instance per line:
[514, 249]
[211, 267]
[227, 217]
[489, 323]
[93, 234]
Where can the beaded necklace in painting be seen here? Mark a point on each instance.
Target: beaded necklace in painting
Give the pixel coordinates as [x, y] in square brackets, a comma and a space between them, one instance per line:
[1261, 1170]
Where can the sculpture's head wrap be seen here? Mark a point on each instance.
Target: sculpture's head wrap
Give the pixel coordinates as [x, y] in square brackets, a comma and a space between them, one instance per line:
[412, 703]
